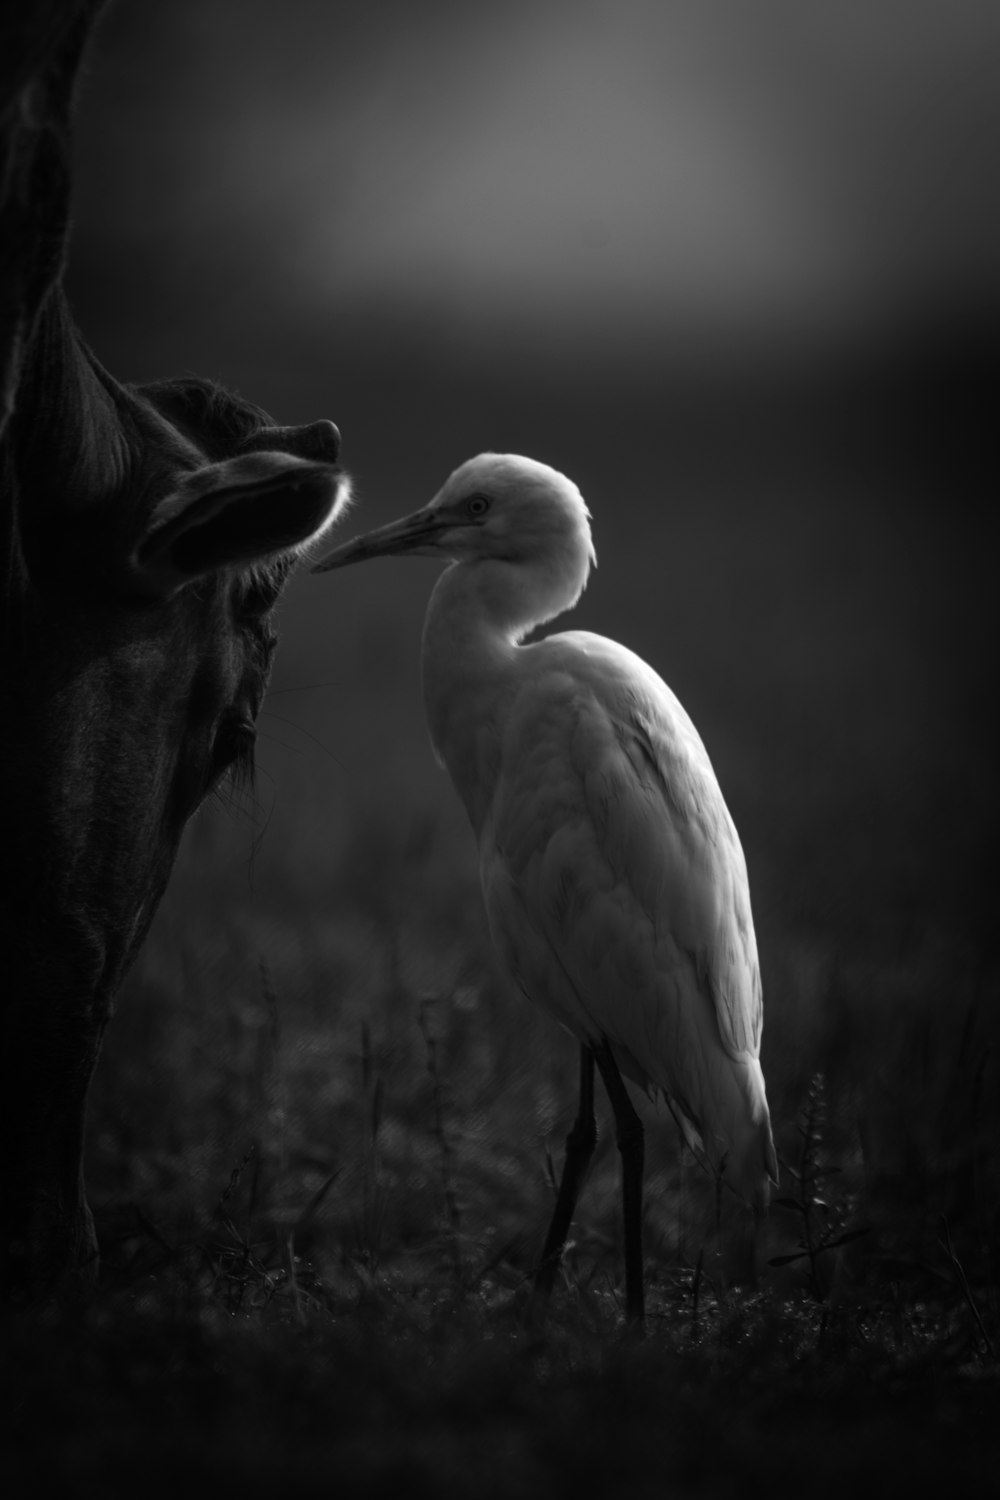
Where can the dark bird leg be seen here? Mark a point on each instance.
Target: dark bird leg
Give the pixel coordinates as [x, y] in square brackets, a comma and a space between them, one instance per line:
[580, 1145]
[629, 1136]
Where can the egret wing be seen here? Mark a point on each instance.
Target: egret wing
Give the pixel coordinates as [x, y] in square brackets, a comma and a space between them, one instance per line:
[607, 795]
[714, 926]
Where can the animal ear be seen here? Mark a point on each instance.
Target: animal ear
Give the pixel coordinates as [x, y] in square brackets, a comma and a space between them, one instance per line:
[235, 512]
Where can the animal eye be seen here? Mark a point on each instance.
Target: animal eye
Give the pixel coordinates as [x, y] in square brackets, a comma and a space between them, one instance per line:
[233, 747]
[258, 589]
[477, 505]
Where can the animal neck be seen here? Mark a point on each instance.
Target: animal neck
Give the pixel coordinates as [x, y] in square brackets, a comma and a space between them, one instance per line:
[480, 610]
[70, 431]
[471, 632]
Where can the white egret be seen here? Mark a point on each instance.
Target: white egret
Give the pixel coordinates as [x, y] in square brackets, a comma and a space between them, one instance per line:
[613, 876]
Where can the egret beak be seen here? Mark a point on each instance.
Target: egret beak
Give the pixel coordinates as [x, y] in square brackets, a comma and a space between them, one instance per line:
[412, 534]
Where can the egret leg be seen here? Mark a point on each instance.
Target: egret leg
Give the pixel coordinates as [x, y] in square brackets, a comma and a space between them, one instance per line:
[580, 1145]
[629, 1135]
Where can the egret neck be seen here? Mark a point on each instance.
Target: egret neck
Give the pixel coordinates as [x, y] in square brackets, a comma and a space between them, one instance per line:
[481, 608]
[469, 670]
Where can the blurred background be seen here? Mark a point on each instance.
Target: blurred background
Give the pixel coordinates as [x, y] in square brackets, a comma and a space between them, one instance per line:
[735, 268]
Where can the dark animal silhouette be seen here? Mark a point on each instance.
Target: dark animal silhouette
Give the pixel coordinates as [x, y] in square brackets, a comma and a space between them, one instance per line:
[146, 534]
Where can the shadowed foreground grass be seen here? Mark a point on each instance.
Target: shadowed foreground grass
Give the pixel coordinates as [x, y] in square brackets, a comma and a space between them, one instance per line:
[429, 1394]
[322, 1160]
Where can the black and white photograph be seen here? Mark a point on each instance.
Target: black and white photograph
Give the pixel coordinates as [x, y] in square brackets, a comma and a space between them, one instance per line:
[499, 981]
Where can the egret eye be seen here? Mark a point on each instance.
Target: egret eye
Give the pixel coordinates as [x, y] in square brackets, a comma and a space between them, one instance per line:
[477, 505]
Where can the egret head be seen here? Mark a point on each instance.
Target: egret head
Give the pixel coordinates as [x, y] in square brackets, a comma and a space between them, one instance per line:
[499, 507]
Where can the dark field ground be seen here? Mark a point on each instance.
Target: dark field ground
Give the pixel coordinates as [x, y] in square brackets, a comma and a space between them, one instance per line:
[324, 1130]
